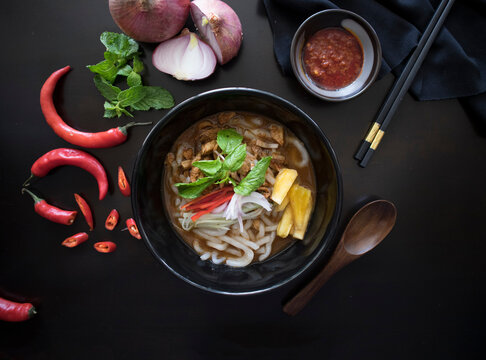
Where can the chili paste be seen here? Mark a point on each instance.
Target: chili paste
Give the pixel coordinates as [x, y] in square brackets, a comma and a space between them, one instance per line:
[333, 58]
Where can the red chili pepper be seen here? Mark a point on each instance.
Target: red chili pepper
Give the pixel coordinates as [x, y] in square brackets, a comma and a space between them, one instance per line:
[65, 156]
[51, 212]
[105, 246]
[212, 206]
[202, 201]
[207, 203]
[14, 311]
[75, 240]
[133, 229]
[104, 139]
[86, 210]
[123, 182]
[112, 220]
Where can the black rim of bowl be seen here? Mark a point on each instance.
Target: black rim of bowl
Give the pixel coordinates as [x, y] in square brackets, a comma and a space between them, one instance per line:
[376, 47]
[332, 226]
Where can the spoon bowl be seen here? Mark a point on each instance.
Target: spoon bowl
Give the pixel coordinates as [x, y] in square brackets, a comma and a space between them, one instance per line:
[366, 229]
[369, 226]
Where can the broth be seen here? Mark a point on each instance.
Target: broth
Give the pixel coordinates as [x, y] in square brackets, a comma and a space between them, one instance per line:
[263, 137]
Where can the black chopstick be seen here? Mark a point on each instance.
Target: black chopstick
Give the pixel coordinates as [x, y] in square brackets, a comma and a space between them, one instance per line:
[402, 84]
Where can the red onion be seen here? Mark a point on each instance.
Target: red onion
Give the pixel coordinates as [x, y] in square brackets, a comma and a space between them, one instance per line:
[150, 20]
[185, 57]
[219, 26]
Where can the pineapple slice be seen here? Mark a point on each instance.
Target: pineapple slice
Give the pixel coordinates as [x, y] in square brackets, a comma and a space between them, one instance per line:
[284, 203]
[283, 182]
[301, 205]
[285, 223]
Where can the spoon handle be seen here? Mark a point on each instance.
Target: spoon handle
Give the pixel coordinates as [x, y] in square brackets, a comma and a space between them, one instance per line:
[299, 300]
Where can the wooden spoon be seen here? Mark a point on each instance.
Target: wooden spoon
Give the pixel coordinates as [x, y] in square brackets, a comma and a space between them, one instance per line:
[366, 229]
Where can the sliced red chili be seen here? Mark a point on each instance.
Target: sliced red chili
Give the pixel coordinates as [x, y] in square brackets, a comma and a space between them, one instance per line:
[123, 182]
[86, 210]
[206, 200]
[14, 311]
[103, 139]
[211, 206]
[105, 246]
[51, 212]
[133, 229]
[75, 240]
[112, 220]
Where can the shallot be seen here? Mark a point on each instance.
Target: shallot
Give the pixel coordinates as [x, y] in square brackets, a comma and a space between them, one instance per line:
[234, 209]
[185, 57]
[219, 26]
[150, 20]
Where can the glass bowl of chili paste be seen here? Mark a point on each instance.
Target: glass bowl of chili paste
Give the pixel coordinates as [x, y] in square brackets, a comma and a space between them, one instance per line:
[335, 54]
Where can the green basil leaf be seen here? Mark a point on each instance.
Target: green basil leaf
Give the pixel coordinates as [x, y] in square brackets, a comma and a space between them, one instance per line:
[208, 167]
[110, 92]
[155, 97]
[194, 189]
[235, 158]
[232, 181]
[119, 44]
[131, 95]
[255, 178]
[134, 79]
[228, 139]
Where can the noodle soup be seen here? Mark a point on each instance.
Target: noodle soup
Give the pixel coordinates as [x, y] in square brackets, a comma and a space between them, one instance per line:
[239, 188]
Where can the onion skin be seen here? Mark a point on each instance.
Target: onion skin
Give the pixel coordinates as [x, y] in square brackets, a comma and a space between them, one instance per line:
[150, 20]
[225, 33]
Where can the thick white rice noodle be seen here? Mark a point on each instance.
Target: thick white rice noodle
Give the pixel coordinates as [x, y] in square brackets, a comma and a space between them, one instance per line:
[240, 248]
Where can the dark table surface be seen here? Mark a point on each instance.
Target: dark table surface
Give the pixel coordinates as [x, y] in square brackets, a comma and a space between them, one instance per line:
[419, 295]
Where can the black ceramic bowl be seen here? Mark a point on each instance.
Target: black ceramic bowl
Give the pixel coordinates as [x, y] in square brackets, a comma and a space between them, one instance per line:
[164, 242]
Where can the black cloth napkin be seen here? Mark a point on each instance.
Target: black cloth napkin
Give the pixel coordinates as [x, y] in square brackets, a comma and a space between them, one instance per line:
[455, 66]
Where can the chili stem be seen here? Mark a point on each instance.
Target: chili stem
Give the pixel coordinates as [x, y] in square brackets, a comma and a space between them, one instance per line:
[27, 182]
[35, 197]
[124, 128]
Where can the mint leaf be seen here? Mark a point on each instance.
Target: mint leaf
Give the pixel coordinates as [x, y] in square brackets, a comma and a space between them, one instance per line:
[123, 111]
[254, 179]
[131, 95]
[194, 189]
[208, 167]
[155, 97]
[235, 159]
[110, 92]
[125, 71]
[110, 110]
[119, 44]
[228, 139]
[116, 59]
[106, 69]
[137, 64]
[134, 79]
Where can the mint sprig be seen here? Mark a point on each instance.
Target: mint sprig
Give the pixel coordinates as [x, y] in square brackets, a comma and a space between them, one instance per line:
[122, 59]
